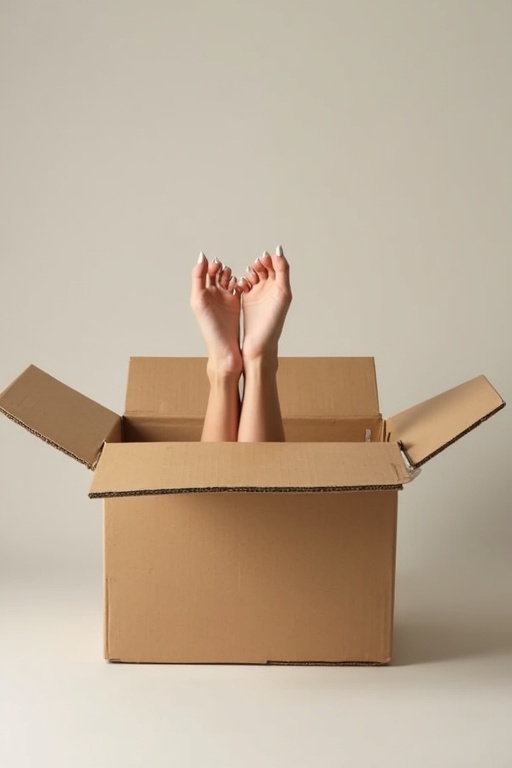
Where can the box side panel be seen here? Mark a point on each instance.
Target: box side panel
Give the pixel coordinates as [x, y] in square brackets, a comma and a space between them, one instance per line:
[251, 579]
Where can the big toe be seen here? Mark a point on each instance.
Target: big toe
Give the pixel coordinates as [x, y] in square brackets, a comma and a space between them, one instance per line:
[281, 268]
[199, 274]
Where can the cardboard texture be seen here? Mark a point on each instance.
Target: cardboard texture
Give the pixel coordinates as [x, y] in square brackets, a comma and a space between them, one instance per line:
[134, 469]
[260, 578]
[428, 428]
[59, 415]
[248, 553]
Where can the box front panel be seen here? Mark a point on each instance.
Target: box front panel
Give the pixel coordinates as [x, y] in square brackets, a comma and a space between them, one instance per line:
[250, 578]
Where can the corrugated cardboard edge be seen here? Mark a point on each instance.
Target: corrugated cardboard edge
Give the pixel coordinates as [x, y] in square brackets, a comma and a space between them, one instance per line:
[48, 441]
[268, 663]
[41, 404]
[255, 489]
[147, 469]
[429, 427]
[89, 465]
[453, 440]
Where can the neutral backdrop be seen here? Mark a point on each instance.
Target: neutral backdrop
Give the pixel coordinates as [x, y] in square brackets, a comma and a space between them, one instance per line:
[372, 140]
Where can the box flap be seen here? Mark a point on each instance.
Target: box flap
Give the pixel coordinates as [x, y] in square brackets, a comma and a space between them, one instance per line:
[59, 415]
[426, 429]
[325, 387]
[131, 469]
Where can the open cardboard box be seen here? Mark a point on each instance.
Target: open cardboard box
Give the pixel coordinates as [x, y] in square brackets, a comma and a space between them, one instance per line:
[248, 553]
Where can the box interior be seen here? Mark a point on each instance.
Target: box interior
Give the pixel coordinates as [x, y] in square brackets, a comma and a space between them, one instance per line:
[166, 400]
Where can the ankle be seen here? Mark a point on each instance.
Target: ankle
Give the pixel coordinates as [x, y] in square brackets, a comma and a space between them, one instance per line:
[229, 367]
[263, 363]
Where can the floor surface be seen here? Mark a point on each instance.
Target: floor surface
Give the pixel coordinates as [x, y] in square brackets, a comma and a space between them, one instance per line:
[446, 701]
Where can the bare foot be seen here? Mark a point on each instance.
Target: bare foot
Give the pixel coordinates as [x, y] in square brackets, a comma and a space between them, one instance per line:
[215, 301]
[265, 302]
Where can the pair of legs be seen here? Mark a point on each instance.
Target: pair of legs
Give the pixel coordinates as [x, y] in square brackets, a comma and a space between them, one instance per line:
[219, 301]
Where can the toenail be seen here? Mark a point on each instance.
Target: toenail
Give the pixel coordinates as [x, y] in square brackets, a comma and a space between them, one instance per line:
[216, 261]
[279, 250]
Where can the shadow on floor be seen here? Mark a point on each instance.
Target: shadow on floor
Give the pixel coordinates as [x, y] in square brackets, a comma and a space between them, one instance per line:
[447, 637]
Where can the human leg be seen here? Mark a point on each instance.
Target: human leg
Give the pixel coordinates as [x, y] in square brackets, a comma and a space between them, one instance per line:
[215, 302]
[265, 302]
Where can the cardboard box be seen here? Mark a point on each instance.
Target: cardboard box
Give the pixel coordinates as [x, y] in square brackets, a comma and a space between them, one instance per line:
[248, 553]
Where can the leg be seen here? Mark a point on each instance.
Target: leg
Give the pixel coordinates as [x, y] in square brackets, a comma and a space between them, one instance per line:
[266, 298]
[216, 305]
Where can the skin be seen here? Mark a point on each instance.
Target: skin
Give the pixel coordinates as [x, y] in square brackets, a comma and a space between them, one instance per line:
[260, 300]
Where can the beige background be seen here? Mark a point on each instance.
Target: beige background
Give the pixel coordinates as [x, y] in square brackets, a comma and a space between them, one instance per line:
[371, 139]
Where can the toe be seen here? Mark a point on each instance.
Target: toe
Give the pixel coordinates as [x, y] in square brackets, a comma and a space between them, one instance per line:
[251, 275]
[199, 273]
[259, 267]
[280, 264]
[266, 260]
[213, 268]
[281, 269]
[243, 285]
[223, 277]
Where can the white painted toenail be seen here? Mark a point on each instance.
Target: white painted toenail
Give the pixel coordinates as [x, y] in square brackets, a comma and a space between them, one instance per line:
[265, 253]
[279, 250]
[216, 261]
[201, 258]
